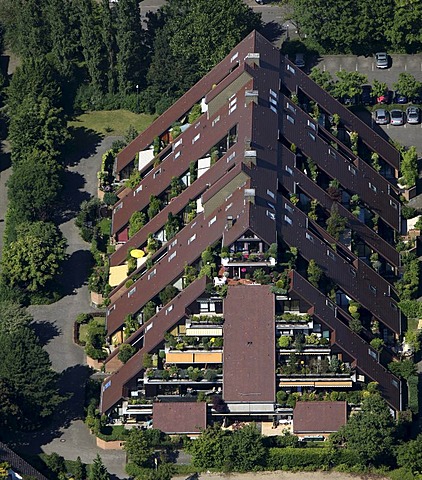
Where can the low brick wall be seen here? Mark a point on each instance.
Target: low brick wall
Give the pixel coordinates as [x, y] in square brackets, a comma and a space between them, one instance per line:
[115, 445]
[95, 364]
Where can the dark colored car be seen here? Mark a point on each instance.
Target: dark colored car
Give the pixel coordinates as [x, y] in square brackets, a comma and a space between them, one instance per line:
[399, 98]
[417, 99]
[366, 96]
[382, 116]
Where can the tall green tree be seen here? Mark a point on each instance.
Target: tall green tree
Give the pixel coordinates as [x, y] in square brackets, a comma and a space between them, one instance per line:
[370, 432]
[26, 367]
[246, 449]
[13, 317]
[349, 84]
[33, 188]
[210, 449]
[130, 52]
[35, 258]
[98, 471]
[108, 36]
[404, 32]
[138, 450]
[407, 85]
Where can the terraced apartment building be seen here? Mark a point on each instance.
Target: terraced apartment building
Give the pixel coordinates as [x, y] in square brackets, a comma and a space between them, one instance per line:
[263, 260]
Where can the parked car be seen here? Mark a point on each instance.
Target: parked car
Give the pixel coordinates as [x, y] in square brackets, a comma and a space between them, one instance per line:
[417, 99]
[366, 96]
[413, 115]
[382, 116]
[400, 98]
[386, 97]
[397, 117]
[381, 60]
[300, 60]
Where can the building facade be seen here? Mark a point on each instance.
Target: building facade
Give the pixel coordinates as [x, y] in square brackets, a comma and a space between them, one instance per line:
[264, 261]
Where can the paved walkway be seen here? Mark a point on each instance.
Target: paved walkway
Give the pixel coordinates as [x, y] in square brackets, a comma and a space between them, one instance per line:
[67, 435]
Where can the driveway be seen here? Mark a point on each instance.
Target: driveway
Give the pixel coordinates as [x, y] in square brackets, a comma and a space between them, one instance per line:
[68, 435]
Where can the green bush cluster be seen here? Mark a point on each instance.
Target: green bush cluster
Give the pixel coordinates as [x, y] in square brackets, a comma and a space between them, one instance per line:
[412, 383]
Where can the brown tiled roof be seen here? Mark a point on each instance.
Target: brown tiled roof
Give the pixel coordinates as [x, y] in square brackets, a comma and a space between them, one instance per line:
[17, 463]
[319, 417]
[249, 344]
[180, 417]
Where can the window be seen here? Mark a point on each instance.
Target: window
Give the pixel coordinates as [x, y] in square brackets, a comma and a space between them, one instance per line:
[179, 142]
[288, 208]
[113, 307]
[138, 189]
[353, 271]
[236, 55]
[288, 170]
[197, 125]
[393, 306]
[193, 224]
[290, 118]
[372, 353]
[312, 136]
[373, 289]
[309, 237]
[330, 304]
[273, 109]
[291, 107]
[107, 385]
[232, 109]
[331, 254]
[131, 292]
[177, 154]
[312, 125]
[216, 119]
[271, 205]
[192, 239]
[172, 256]
[169, 309]
[291, 69]
[273, 94]
[118, 207]
[270, 214]
[287, 219]
[231, 156]
[372, 187]
[173, 244]
[196, 138]
[393, 204]
[228, 206]
[270, 194]
[213, 220]
[152, 274]
[332, 152]
[395, 383]
[157, 172]
[352, 170]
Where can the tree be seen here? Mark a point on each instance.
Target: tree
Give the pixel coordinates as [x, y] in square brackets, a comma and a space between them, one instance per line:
[154, 207]
[33, 188]
[403, 369]
[98, 471]
[55, 463]
[87, 218]
[11, 415]
[409, 455]
[80, 470]
[349, 84]
[178, 61]
[26, 371]
[404, 32]
[315, 273]
[136, 222]
[407, 85]
[336, 223]
[149, 310]
[323, 79]
[172, 226]
[409, 167]
[209, 450]
[246, 451]
[35, 258]
[379, 88]
[13, 317]
[137, 447]
[126, 351]
[130, 66]
[168, 294]
[370, 432]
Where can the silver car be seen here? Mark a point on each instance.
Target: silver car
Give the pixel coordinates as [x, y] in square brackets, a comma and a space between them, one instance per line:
[381, 59]
[382, 116]
[413, 115]
[397, 117]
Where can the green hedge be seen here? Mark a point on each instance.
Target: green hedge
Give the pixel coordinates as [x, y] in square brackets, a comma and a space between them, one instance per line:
[111, 433]
[310, 458]
[412, 383]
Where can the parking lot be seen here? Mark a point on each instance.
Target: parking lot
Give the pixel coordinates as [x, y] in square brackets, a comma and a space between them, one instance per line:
[400, 63]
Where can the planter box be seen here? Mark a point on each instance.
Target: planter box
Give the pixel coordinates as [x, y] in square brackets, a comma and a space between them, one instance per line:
[95, 364]
[114, 445]
[96, 299]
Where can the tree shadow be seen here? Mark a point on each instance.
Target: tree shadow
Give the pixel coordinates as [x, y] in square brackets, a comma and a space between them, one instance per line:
[72, 195]
[45, 331]
[82, 144]
[5, 161]
[76, 269]
[71, 385]
[272, 31]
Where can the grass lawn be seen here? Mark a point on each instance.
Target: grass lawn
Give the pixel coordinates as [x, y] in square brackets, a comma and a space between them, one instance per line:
[112, 122]
[83, 328]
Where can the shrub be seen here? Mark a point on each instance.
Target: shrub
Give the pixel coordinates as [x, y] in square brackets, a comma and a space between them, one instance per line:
[281, 397]
[284, 341]
[110, 198]
[412, 383]
[84, 318]
[377, 344]
[136, 222]
[126, 351]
